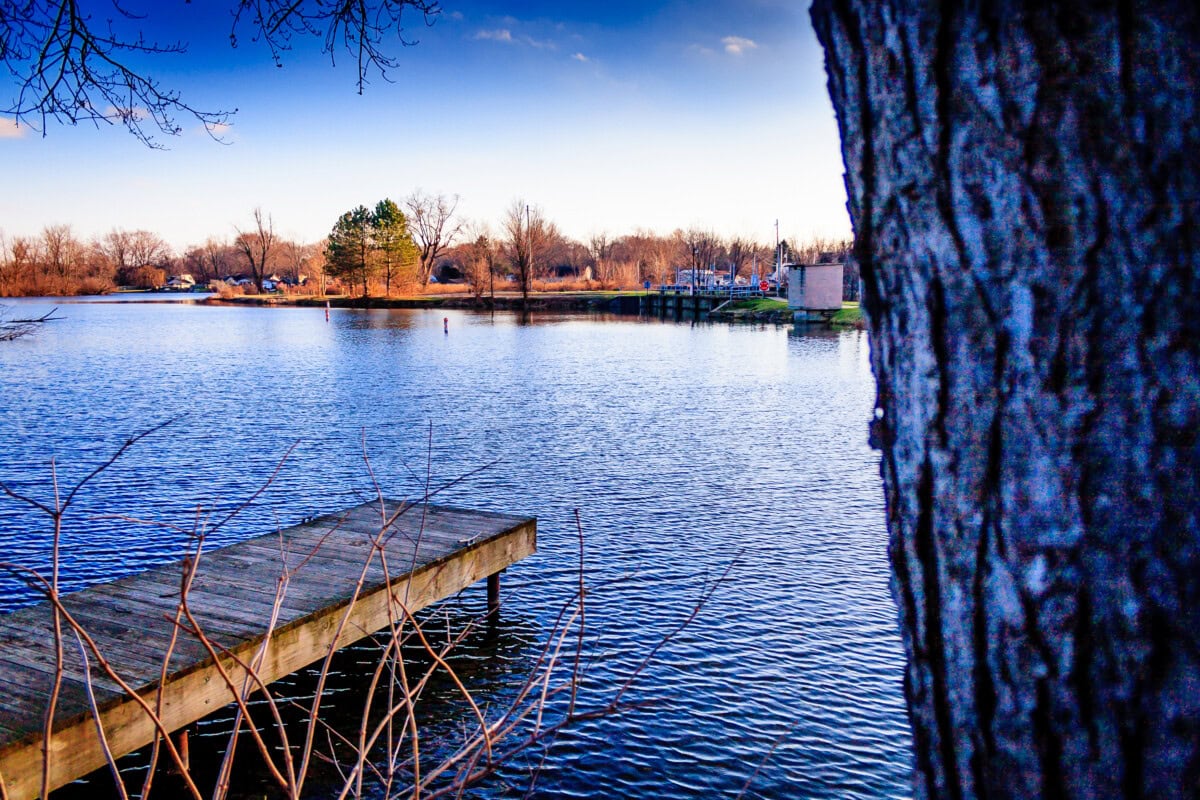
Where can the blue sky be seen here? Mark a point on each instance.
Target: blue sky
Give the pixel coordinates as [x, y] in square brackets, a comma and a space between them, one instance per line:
[610, 116]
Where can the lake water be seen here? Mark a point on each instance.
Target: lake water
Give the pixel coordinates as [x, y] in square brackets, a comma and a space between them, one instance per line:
[687, 448]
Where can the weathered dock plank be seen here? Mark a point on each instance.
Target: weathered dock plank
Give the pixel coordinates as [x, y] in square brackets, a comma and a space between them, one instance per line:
[431, 553]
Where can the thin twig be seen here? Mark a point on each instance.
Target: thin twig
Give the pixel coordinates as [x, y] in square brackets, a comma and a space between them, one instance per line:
[128, 443]
[215, 653]
[112, 674]
[91, 698]
[763, 761]
[538, 707]
[258, 493]
[582, 617]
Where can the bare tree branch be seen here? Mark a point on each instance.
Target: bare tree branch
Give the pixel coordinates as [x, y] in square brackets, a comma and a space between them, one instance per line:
[362, 29]
[11, 329]
[70, 67]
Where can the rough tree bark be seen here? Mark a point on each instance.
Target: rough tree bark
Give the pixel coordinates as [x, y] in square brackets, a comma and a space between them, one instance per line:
[1024, 183]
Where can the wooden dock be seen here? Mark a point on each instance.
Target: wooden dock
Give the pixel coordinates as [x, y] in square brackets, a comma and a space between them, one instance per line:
[432, 552]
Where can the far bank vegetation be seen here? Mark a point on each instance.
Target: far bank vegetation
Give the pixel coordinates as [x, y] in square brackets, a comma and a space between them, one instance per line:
[417, 245]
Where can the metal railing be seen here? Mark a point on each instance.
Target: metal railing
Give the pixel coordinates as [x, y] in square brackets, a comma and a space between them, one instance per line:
[717, 291]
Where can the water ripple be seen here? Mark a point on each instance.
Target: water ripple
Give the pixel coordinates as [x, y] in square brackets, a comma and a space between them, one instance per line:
[689, 450]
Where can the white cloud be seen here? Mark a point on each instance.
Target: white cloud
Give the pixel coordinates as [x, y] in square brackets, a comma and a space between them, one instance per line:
[221, 131]
[10, 129]
[505, 36]
[581, 57]
[498, 35]
[738, 45]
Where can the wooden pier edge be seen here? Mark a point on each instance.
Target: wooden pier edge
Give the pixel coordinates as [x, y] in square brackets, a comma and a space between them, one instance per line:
[193, 692]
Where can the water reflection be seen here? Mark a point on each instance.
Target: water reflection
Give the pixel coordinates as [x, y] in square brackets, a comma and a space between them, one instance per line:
[801, 330]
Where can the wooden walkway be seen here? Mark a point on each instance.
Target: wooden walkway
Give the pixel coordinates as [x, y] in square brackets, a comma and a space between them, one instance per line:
[431, 553]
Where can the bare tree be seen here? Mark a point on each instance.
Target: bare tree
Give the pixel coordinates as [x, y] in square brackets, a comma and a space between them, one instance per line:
[697, 248]
[219, 258]
[71, 70]
[7, 266]
[653, 253]
[1023, 183]
[147, 247]
[61, 250]
[257, 245]
[53, 262]
[18, 258]
[433, 227]
[128, 251]
[600, 248]
[558, 251]
[525, 229]
[115, 245]
[318, 265]
[296, 259]
[211, 261]
[740, 252]
[479, 260]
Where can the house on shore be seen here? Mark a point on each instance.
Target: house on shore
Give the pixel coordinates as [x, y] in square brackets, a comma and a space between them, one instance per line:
[180, 283]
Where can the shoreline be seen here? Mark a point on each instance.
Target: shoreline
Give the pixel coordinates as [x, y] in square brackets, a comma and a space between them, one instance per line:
[849, 317]
[565, 301]
[614, 302]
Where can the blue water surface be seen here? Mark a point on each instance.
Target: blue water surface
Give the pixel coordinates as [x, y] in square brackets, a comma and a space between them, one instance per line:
[688, 449]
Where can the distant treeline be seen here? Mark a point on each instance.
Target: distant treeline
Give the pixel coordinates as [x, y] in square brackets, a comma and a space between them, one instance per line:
[57, 262]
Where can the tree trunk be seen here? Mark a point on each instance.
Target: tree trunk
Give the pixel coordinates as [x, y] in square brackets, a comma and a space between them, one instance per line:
[1023, 184]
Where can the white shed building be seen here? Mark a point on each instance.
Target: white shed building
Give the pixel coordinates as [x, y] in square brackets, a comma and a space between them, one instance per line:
[815, 287]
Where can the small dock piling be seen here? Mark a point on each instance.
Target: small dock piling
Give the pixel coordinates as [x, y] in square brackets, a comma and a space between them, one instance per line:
[423, 554]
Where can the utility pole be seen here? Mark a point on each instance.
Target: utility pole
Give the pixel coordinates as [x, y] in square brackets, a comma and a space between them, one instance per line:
[778, 258]
[695, 255]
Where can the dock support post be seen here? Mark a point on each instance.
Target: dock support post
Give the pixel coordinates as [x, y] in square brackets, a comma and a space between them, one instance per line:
[180, 739]
[181, 744]
[493, 595]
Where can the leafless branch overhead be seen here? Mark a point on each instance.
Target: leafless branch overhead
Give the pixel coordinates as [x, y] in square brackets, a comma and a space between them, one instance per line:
[70, 65]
